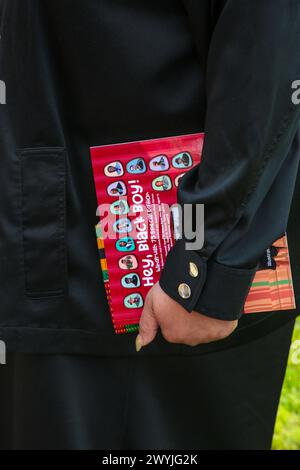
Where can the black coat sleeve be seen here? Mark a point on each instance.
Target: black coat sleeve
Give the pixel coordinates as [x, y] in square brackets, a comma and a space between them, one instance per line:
[248, 171]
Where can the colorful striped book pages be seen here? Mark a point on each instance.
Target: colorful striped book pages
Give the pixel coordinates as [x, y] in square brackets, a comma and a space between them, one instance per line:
[136, 185]
[272, 287]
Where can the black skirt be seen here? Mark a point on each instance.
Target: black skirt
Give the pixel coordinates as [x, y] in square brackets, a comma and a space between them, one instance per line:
[226, 399]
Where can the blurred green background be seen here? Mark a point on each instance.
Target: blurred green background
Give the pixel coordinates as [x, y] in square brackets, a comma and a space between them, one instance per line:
[287, 429]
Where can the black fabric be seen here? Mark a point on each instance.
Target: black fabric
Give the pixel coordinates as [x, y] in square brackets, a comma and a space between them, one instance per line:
[44, 253]
[251, 147]
[224, 400]
[216, 285]
[83, 73]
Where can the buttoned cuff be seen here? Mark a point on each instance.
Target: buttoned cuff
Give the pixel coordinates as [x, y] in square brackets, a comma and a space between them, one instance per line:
[203, 285]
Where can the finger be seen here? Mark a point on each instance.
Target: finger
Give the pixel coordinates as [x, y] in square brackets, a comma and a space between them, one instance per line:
[148, 325]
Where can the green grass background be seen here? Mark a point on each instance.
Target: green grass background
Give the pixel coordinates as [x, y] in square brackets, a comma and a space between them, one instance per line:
[287, 429]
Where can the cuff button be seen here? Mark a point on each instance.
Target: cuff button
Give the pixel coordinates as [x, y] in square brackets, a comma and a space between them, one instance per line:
[184, 291]
[193, 270]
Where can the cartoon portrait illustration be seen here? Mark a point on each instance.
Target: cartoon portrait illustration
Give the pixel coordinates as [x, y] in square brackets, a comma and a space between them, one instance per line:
[122, 225]
[125, 244]
[131, 280]
[128, 262]
[159, 163]
[133, 301]
[117, 188]
[136, 166]
[162, 183]
[114, 169]
[177, 179]
[182, 160]
[119, 207]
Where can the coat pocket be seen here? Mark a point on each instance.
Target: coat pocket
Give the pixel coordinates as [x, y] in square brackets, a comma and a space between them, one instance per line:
[43, 180]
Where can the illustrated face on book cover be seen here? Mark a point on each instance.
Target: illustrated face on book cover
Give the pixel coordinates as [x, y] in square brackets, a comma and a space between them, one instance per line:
[125, 244]
[131, 281]
[136, 166]
[146, 174]
[182, 160]
[117, 189]
[119, 207]
[128, 262]
[114, 169]
[162, 183]
[159, 163]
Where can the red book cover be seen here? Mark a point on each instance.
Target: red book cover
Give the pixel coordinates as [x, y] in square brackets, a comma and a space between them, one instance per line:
[136, 185]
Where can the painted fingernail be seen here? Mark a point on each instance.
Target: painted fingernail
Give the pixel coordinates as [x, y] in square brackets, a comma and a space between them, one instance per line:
[138, 343]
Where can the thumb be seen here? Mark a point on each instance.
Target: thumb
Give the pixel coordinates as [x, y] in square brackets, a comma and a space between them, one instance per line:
[148, 326]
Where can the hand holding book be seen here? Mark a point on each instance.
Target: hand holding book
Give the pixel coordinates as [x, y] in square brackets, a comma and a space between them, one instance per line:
[135, 182]
[176, 324]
